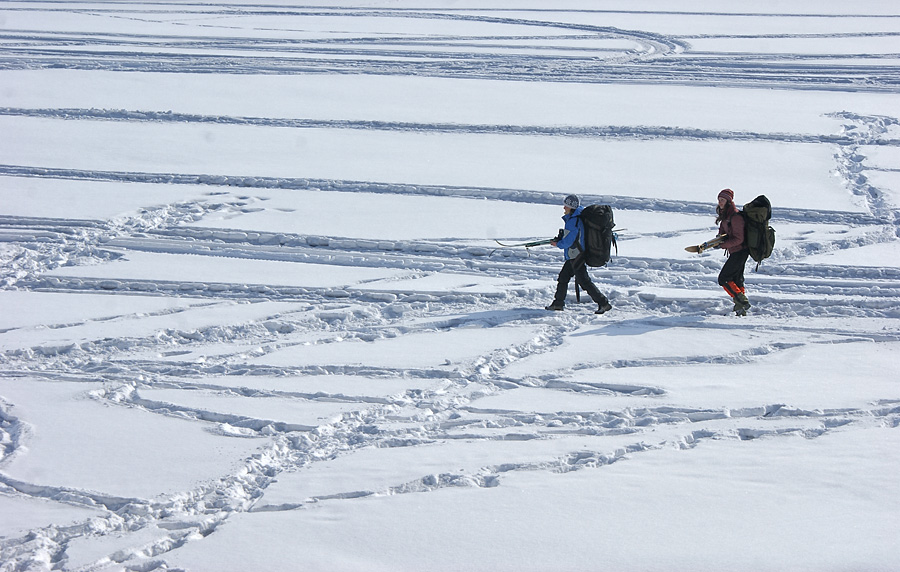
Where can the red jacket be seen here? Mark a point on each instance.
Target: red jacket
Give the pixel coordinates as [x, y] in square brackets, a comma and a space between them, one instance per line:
[732, 226]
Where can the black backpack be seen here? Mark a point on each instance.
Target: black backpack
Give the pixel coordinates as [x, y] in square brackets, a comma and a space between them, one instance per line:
[759, 237]
[598, 234]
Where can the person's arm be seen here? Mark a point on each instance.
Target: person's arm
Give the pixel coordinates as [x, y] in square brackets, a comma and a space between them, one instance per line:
[570, 233]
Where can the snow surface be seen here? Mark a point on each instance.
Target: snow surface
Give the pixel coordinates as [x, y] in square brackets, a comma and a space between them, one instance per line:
[253, 315]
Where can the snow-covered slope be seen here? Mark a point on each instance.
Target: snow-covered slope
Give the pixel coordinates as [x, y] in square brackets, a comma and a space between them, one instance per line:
[253, 315]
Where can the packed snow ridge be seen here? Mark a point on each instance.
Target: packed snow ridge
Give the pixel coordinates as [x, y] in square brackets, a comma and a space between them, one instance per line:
[245, 319]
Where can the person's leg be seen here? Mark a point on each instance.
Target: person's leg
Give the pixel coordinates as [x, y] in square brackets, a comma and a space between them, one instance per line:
[583, 279]
[562, 287]
[741, 266]
[731, 278]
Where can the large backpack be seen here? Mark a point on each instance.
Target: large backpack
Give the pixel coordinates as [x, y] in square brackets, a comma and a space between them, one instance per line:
[598, 234]
[759, 237]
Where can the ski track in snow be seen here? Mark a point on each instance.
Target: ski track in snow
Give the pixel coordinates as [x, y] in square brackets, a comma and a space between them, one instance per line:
[417, 56]
[32, 246]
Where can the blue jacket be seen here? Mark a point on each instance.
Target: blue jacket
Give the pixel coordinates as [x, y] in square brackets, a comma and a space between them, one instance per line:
[572, 242]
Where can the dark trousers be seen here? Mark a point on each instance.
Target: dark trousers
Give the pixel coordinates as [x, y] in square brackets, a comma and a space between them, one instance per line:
[578, 269]
[731, 278]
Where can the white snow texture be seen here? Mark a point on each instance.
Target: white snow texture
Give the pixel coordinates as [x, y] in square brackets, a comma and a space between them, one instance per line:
[253, 314]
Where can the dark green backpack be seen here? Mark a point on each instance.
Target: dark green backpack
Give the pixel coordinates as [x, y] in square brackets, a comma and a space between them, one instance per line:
[759, 237]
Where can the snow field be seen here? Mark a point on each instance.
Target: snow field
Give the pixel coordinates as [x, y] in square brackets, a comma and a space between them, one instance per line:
[253, 315]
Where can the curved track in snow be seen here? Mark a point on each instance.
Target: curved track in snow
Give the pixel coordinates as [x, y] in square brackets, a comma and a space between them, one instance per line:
[159, 372]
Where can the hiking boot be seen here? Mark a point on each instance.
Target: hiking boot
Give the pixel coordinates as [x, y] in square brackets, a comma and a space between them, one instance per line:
[603, 307]
[556, 305]
[741, 304]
